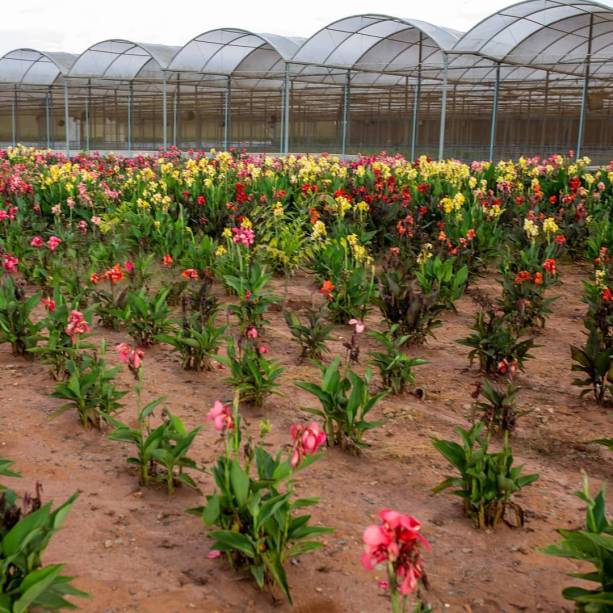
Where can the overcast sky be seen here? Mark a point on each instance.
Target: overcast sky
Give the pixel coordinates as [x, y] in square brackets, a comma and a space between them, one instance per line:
[72, 25]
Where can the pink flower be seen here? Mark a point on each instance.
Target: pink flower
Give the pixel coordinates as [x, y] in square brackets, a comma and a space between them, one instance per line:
[263, 350]
[307, 440]
[395, 542]
[359, 325]
[243, 236]
[76, 326]
[132, 357]
[82, 226]
[252, 332]
[96, 220]
[10, 262]
[221, 416]
[49, 304]
[213, 554]
[54, 242]
[56, 209]
[129, 266]
[37, 242]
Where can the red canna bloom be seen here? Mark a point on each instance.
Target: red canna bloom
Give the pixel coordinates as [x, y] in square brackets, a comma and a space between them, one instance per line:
[607, 295]
[49, 304]
[115, 274]
[167, 261]
[549, 265]
[190, 273]
[327, 288]
[10, 263]
[522, 276]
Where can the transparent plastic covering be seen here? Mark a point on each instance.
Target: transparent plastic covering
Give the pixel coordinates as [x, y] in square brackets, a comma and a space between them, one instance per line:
[31, 67]
[558, 35]
[123, 60]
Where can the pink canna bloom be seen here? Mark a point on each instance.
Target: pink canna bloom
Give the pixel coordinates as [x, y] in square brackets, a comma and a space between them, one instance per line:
[213, 554]
[396, 543]
[133, 357]
[54, 242]
[76, 326]
[129, 266]
[221, 416]
[307, 440]
[252, 332]
[10, 263]
[359, 325]
[37, 242]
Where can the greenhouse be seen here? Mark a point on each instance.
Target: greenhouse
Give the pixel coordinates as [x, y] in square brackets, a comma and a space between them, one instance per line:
[534, 78]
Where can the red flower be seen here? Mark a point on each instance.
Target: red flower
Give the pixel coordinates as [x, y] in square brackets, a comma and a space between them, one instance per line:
[327, 288]
[167, 261]
[549, 265]
[522, 276]
[201, 200]
[49, 304]
[190, 273]
[560, 239]
[607, 295]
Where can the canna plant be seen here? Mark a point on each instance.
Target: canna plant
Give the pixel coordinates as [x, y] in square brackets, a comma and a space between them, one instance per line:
[345, 403]
[405, 305]
[311, 335]
[16, 325]
[444, 277]
[592, 544]
[252, 375]
[487, 481]
[254, 299]
[498, 409]
[198, 338]
[496, 344]
[59, 347]
[254, 511]
[26, 529]
[395, 367]
[89, 388]
[161, 453]
[146, 317]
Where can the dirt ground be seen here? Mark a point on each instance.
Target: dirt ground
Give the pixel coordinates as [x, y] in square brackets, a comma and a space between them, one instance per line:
[137, 550]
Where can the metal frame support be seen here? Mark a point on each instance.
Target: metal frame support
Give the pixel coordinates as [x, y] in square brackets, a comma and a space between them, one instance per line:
[175, 110]
[545, 107]
[227, 98]
[48, 117]
[88, 101]
[345, 120]
[416, 101]
[164, 113]
[14, 117]
[66, 118]
[584, 93]
[130, 96]
[286, 104]
[441, 140]
[494, 113]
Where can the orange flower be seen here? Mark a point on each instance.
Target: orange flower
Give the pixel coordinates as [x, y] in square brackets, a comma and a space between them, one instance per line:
[95, 278]
[327, 288]
[538, 278]
[115, 274]
[522, 276]
[167, 261]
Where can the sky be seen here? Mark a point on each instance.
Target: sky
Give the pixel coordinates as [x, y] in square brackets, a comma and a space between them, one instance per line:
[70, 25]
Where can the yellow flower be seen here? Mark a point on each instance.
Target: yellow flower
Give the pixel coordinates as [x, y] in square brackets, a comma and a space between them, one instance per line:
[550, 226]
[227, 233]
[319, 230]
[221, 250]
[425, 253]
[246, 223]
[277, 209]
[531, 229]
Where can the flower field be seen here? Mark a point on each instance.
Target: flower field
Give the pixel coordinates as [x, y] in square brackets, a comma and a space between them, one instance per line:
[299, 383]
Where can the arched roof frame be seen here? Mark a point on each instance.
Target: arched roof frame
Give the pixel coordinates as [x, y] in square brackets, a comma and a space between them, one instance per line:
[27, 66]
